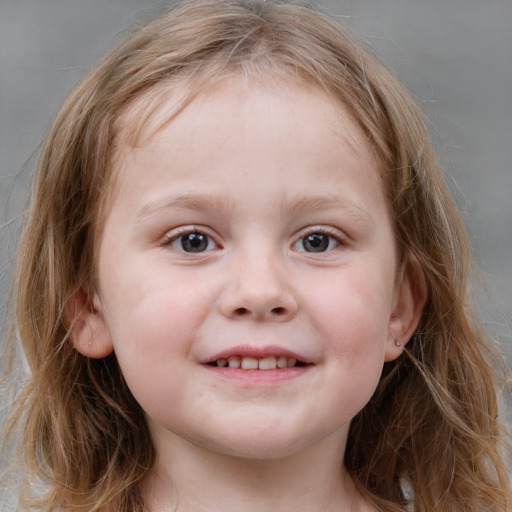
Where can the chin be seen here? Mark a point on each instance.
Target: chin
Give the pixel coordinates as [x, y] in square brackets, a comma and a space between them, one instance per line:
[261, 453]
[258, 446]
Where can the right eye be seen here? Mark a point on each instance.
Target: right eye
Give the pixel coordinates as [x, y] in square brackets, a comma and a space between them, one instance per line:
[192, 242]
[318, 240]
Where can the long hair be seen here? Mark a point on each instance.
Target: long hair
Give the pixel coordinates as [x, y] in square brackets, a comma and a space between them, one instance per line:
[432, 425]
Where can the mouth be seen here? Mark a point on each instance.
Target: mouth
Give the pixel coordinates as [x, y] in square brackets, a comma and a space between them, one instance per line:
[265, 363]
[256, 365]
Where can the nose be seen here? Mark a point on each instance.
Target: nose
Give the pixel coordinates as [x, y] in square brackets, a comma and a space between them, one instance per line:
[259, 289]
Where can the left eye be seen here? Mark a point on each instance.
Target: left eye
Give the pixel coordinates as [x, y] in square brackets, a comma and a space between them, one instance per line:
[194, 241]
[316, 242]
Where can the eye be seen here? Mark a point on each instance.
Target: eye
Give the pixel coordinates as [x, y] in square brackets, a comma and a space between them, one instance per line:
[192, 242]
[317, 242]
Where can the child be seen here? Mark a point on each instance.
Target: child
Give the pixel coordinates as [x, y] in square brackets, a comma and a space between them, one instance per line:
[242, 285]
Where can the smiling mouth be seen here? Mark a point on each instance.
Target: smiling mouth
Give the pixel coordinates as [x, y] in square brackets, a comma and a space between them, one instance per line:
[257, 363]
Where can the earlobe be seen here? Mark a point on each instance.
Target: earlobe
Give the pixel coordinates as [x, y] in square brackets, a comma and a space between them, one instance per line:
[411, 296]
[89, 332]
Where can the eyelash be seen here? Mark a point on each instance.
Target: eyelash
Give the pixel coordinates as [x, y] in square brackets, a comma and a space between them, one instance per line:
[178, 236]
[197, 241]
[333, 236]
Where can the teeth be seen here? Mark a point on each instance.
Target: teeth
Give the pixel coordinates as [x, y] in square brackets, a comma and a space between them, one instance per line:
[249, 363]
[282, 362]
[267, 363]
[253, 363]
[234, 362]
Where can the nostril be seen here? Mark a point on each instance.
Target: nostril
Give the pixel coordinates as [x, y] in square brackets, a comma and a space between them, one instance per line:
[279, 311]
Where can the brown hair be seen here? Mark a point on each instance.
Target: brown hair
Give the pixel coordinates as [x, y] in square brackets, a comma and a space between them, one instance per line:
[433, 421]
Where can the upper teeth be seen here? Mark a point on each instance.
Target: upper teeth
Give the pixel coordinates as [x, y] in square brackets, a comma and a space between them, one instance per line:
[255, 363]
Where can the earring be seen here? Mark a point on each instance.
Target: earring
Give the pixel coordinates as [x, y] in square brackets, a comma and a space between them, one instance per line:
[397, 343]
[90, 341]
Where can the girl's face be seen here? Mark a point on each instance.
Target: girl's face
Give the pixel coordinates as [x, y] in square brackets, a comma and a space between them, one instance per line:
[248, 273]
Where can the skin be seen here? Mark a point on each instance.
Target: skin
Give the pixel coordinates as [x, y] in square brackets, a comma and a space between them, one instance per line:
[256, 170]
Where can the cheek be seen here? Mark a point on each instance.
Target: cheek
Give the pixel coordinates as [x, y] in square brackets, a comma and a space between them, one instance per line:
[353, 312]
[151, 341]
[150, 324]
[354, 326]
[148, 297]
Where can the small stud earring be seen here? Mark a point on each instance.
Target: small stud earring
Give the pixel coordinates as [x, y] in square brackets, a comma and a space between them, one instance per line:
[397, 343]
[90, 341]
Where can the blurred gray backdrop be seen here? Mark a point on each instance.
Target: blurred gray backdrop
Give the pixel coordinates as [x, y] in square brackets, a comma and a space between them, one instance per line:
[455, 56]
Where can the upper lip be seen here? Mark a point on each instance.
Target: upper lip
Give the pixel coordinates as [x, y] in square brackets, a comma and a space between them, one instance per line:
[256, 352]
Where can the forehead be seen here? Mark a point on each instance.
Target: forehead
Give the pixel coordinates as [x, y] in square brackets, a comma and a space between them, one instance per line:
[178, 117]
[232, 134]
[164, 102]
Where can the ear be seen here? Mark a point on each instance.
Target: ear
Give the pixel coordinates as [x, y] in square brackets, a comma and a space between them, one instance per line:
[410, 297]
[89, 334]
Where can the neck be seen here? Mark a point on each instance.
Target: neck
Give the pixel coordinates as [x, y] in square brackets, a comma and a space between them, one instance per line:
[189, 478]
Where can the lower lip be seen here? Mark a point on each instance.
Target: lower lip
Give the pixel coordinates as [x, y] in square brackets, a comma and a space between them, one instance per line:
[259, 376]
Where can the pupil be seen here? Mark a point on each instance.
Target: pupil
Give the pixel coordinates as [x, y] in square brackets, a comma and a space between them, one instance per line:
[315, 242]
[194, 242]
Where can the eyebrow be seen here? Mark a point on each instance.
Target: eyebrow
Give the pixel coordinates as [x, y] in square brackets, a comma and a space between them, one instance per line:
[306, 203]
[326, 202]
[187, 202]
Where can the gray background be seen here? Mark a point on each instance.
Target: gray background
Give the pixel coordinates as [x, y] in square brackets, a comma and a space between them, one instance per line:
[455, 56]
